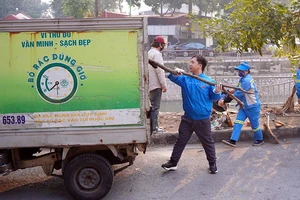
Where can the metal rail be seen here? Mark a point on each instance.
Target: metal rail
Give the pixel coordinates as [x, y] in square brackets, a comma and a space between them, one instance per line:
[272, 93]
[173, 56]
[87, 24]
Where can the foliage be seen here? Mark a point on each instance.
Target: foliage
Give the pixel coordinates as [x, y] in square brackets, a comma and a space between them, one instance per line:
[170, 5]
[206, 6]
[255, 23]
[209, 6]
[83, 8]
[7, 7]
[287, 2]
[223, 4]
[119, 5]
[78, 8]
[34, 8]
[291, 40]
[136, 3]
[57, 8]
[107, 5]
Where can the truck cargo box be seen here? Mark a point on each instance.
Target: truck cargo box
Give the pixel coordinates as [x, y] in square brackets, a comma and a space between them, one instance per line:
[74, 98]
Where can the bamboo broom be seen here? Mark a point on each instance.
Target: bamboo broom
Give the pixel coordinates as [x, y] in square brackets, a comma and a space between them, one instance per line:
[288, 106]
[269, 131]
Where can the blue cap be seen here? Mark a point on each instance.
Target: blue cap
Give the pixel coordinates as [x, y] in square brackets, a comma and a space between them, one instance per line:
[243, 66]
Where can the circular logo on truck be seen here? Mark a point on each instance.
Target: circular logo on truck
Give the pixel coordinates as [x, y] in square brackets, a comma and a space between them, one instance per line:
[57, 83]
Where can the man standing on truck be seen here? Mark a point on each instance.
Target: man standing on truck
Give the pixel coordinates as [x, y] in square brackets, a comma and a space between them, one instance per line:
[157, 81]
[197, 98]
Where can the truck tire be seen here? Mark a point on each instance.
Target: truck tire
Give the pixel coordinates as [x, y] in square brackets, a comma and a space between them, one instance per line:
[88, 176]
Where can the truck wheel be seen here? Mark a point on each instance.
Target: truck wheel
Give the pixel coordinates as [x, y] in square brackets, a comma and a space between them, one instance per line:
[88, 176]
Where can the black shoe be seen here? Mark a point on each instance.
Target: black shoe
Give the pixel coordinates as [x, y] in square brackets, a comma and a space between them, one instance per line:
[169, 166]
[213, 168]
[258, 143]
[229, 142]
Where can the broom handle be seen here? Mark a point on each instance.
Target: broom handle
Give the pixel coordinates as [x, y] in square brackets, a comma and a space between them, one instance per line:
[268, 119]
[233, 97]
[156, 64]
[294, 91]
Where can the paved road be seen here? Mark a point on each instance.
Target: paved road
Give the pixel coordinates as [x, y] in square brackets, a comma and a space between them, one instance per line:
[246, 172]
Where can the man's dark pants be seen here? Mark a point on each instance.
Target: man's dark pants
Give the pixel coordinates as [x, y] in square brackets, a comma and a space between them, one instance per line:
[202, 129]
[155, 99]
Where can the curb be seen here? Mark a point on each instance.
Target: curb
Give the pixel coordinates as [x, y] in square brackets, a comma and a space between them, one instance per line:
[219, 135]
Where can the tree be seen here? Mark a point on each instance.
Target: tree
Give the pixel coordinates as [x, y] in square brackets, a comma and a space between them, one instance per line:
[107, 5]
[255, 23]
[291, 30]
[34, 8]
[131, 3]
[286, 2]
[223, 4]
[96, 8]
[119, 5]
[136, 3]
[85, 8]
[57, 8]
[210, 6]
[7, 7]
[170, 5]
[78, 8]
[206, 6]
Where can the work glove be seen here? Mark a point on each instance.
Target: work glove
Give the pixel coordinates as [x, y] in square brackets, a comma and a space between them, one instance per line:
[218, 89]
[178, 70]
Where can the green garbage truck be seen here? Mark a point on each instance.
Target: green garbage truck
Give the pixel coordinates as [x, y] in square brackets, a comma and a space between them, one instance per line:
[73, 98]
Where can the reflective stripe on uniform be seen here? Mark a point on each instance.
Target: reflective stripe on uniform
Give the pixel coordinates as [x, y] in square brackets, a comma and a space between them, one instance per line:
[257, 129]
[239, 122]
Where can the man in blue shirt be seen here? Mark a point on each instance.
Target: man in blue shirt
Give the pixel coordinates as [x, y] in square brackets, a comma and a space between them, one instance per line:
[298, 85]
[251, 108]
[197, 102]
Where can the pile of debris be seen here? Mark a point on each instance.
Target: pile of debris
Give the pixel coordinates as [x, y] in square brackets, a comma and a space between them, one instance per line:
[221, 120]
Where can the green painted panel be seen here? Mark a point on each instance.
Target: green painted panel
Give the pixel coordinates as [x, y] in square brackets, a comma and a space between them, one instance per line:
[47, 72]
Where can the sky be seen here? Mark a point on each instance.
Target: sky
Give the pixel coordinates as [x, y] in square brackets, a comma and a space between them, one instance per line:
[134, 11]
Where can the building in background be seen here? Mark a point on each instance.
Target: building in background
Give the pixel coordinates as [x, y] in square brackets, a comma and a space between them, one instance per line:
[16, 17]
[106, 14]
[175, 27]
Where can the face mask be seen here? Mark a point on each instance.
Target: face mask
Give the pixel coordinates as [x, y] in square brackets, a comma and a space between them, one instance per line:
[162, 47]
[241, 74]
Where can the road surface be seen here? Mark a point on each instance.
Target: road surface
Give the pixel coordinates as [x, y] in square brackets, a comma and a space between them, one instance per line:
[266, 172]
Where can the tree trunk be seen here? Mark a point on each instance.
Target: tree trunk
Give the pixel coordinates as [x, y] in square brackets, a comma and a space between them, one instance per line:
[190, 24]
[96, 8]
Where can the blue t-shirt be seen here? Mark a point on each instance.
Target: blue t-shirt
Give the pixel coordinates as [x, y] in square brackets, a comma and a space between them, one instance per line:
[197, 96]
[249, 100]
[298, 83]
